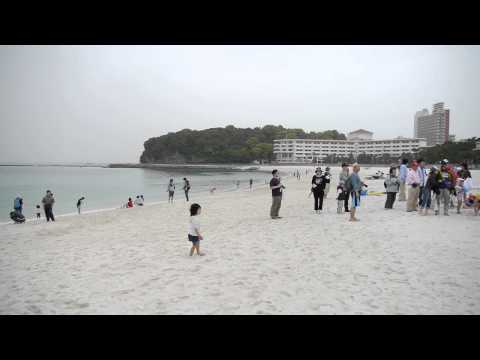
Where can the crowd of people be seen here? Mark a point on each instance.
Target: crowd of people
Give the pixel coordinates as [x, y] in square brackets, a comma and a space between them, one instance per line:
[429, 188]
[421, 188]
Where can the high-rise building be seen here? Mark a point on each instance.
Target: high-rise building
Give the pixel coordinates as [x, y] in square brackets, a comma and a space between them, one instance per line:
[434, 127]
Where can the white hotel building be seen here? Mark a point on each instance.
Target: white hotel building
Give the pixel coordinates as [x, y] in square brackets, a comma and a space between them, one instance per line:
[359, 141]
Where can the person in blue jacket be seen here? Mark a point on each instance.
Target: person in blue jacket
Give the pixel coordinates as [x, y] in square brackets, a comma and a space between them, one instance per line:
[402, 196]
[18, 205]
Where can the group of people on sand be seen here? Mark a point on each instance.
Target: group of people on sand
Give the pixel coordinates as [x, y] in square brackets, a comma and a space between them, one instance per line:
[421, 188]
[139, 201]
[47, 201]
[425, 188]
[171, 189]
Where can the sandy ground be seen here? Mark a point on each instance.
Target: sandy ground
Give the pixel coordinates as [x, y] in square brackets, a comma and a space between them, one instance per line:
[135, 261]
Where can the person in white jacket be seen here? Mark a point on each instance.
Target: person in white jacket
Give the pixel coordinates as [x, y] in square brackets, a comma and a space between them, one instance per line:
[413, 183]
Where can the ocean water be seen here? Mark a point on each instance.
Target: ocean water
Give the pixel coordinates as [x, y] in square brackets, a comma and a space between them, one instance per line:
[104, 187]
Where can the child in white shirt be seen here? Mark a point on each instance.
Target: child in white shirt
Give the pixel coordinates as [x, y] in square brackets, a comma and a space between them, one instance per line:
[194, 230]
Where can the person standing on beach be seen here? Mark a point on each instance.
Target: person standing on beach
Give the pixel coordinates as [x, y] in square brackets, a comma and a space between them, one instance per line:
[38, 212]
[194, 229]
[79, 204]
[276, 186]
[318, 187]
[446, 183]
[422, 174]
[392, 185]
[431, 186]
[342, 179]
[18, 204]
[403, 179]
[327, 176]
[48, 201]
[238, 184]
[186, 187]
[413, 182]
[171, 191]
[354, 186]
[251, 183]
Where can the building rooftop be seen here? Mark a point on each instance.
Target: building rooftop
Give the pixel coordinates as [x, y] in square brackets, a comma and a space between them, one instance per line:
[361, 131]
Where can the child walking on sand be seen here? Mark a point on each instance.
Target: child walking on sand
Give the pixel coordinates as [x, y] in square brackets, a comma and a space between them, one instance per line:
[194, 231]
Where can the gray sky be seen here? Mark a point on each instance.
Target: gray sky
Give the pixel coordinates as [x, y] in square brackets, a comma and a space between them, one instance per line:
[100, 103]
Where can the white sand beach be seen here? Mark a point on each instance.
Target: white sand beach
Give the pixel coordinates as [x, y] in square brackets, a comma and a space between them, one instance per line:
[135, 261]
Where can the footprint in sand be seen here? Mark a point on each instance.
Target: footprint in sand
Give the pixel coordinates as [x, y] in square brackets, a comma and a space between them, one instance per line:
[34, 309]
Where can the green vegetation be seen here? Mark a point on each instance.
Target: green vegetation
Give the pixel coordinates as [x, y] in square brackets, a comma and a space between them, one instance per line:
[455, 152]
[224, 145]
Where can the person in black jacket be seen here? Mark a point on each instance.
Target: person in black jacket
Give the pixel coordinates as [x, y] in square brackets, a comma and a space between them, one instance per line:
[318, 188]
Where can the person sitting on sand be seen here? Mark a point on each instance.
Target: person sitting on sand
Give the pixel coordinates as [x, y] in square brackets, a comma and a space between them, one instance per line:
[139, 201]
[276, 186]
[194, 234]
[129, 203]
[171, 191]
[392, 186]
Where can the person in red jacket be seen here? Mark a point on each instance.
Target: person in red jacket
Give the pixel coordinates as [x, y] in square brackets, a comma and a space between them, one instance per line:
[130, 203]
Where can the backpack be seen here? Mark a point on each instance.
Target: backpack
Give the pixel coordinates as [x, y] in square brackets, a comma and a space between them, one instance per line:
[16, 203]
[348, 184]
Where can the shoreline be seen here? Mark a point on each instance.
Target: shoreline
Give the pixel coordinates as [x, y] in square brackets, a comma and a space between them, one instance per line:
[136, 261]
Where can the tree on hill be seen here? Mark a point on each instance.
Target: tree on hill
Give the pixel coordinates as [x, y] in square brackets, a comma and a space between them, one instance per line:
[223, 145]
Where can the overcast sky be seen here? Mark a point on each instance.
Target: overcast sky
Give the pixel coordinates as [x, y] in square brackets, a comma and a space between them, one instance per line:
[100, 103]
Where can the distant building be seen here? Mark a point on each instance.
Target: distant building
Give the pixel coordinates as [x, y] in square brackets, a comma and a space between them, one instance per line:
[451, 138]
[434, 127]
[360, 135]
[477, 146]
[358, 142]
